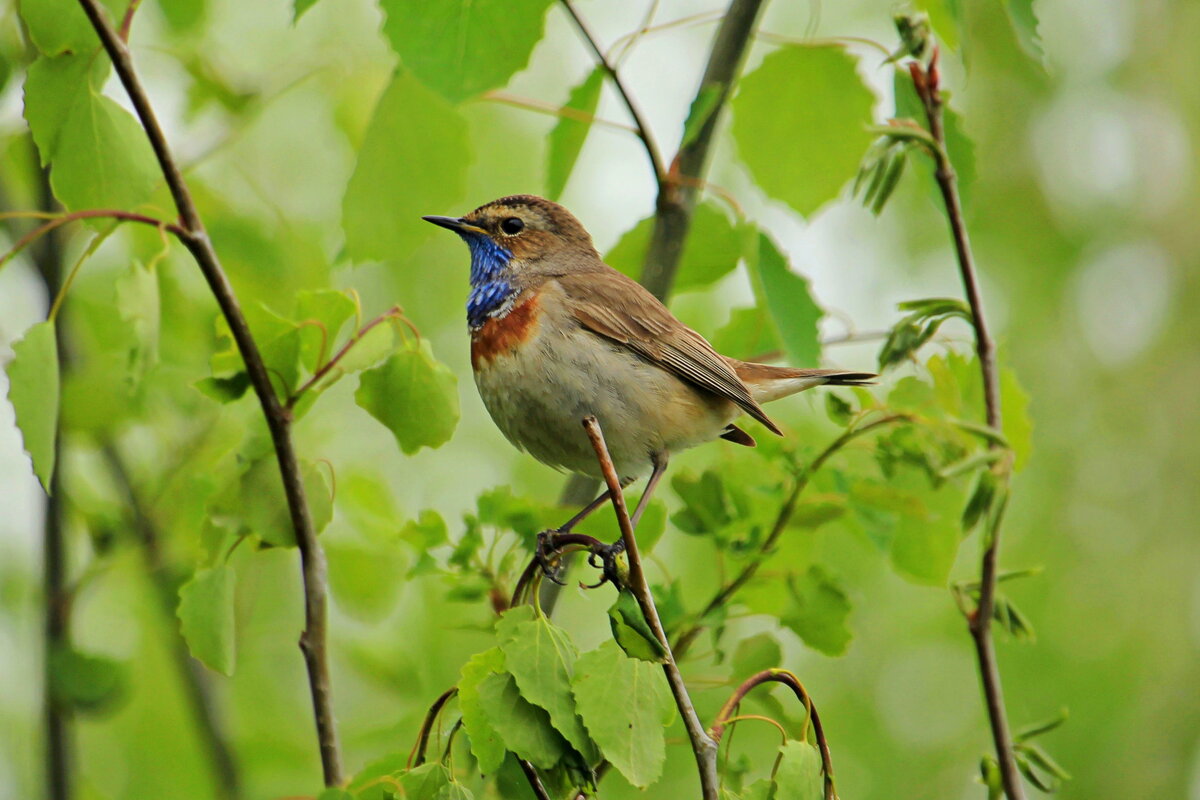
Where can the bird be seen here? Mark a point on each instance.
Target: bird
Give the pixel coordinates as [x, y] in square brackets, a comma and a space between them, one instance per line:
[557, 336]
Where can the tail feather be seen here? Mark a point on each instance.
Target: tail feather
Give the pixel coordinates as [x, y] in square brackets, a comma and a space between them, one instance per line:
[767, 383]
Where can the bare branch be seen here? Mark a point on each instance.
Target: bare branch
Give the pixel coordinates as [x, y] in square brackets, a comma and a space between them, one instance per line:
[195, 238]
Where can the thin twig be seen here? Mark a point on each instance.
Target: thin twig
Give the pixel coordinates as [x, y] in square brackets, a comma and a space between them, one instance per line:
[643, 130]
[725, 716]
[417, 757]
[325, 368]
[127, 20]
[195, 238]
[529, 104]
[59, 220]
[191, 673]
[535, 782]
[704, 748]
[926, 82]
[726, 592]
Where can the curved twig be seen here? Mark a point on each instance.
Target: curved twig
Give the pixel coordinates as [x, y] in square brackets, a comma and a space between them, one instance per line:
[417, 757]
[726, 715]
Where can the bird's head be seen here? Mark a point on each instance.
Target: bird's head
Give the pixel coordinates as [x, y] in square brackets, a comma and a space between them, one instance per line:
[520, 232]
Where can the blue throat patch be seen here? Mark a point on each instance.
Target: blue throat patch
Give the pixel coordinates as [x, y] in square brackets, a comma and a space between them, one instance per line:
[489, 292]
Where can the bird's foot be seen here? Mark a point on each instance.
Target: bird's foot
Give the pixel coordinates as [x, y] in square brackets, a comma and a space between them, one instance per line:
[547, 556]
[606, 559]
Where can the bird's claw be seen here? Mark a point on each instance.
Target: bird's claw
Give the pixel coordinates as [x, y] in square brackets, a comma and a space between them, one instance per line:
[546, 556]
[604, 558]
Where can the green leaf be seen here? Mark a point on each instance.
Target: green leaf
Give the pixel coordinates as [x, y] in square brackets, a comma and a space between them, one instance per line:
[524, 728]
[702, 108]
[818, 610]
[137, 304]
[541, 658]
[1025, 26]
[959, 146]
[258, 502]
[749, 335]
[426, 782]
[381, 209]
[626, 705]
[706, 509]
[838, 408]
[98, 153]
[566, 139]
[206, 618]
[947, 19]
[367, 784]
[755, 654]
[299, 7]
[369, 349]
[799, 122]
[85, 682]
[799, 774]
[789, 299]
[924, 546]
[183, 15]
[335, 793]
[33, 390]
[463, 49]
[224, 390]
[711, 252]
[426, 532]
[1018, 427]
[321, 315]
[414, 396]
[59, 26]
[486, 744]
[365, 580]
[632, 632]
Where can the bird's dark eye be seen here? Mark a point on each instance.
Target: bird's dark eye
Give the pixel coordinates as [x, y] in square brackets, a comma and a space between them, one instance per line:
[512, 226]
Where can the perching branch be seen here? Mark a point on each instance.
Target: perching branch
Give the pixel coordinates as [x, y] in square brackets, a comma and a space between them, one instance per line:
[643, 130]
[193, 235]
[704, 748]
[726, 592]
[726, 715]
[926, 81]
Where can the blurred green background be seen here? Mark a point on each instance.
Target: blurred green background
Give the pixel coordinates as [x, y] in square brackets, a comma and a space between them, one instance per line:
[1084, 218]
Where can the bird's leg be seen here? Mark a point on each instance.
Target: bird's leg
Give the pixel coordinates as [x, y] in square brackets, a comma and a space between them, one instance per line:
[584, 513]
[608, 555]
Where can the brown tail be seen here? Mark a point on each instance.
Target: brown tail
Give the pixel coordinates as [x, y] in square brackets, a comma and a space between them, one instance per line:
[769, 383]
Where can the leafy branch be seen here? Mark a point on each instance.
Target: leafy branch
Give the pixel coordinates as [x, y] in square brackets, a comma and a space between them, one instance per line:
[926, 81]
[723, 595]
[192, 234]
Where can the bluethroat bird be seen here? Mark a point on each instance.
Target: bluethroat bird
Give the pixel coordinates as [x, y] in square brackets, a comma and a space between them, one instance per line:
[558, 335]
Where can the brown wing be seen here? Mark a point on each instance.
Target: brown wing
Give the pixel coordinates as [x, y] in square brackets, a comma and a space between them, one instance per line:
[616, 307]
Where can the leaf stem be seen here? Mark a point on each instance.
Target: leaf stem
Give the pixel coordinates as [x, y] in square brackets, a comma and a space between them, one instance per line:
[324, 369]
[417, 757]
[926, 81]
[726, 715]
[703, 746]
[643, 130]
[726, 592]
[192, 234]
[58, 220]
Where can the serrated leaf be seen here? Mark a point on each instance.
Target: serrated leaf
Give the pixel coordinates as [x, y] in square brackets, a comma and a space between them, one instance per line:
[257, 501]
[414, 396]
[33, 390]
[86, 682]
[799, 122]
[626, 705]
[541, 658]
[524, 728]
[381, 210]
[98, 153]
[1025, 26]
[788, 297]
[486, 744]
[566, 139]
[799, 775]
[631, 631]
[712, 249]
[706, 508]
[818, 610]
[924, 547]
[463, 49]
[206, 618]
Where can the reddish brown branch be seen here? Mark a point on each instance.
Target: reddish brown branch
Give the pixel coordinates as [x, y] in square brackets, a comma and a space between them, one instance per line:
[926, 81]
[91, 213]
[792, 682]
[194, 236]
[704, 748]
[417, 757]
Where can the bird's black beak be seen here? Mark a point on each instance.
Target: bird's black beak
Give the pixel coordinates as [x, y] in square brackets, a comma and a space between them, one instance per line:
[456, 224]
